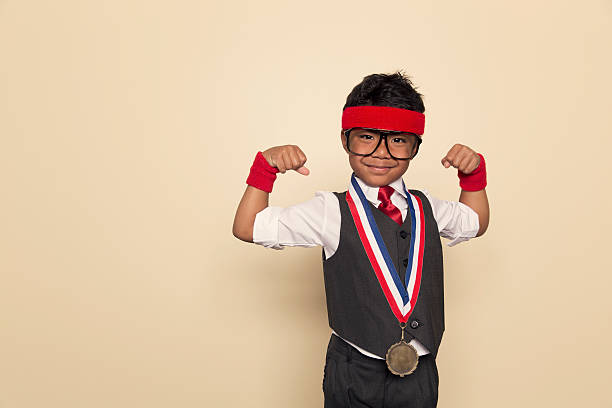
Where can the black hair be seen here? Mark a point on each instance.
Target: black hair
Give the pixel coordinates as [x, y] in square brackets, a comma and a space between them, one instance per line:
[393, 90]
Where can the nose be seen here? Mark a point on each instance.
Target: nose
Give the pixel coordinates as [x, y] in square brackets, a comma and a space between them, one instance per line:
[381, 151]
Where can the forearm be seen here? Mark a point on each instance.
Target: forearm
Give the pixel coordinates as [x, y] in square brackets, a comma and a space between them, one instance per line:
[263, 174]
[253, 201]
[477, 201]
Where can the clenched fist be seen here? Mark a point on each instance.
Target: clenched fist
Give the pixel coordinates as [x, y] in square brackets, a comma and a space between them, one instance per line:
[461, 157]
[288, 157]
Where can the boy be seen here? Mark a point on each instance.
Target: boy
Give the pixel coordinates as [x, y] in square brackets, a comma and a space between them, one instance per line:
[381, 245]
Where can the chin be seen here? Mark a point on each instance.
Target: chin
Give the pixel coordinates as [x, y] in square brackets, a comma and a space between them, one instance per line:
[376, 181]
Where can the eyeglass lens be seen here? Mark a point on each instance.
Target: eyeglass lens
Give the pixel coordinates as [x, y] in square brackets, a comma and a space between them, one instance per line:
[365, 142]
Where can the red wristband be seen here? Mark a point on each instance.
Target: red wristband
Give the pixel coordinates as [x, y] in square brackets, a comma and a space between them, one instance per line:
[262, 175]
[476, 180]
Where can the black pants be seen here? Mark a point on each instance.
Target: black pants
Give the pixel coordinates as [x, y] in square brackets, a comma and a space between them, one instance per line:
[351, 379]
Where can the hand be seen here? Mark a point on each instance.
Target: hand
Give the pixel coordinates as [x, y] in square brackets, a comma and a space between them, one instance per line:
[462, 158]
[288, 157]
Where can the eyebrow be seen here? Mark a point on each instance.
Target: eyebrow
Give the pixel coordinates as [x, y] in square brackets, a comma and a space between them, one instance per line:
[399, 132]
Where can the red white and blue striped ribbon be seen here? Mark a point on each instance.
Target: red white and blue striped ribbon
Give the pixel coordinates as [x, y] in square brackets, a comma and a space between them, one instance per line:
[402, 300]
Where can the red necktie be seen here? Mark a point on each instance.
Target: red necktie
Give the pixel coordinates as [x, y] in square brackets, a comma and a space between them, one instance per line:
[386, 206]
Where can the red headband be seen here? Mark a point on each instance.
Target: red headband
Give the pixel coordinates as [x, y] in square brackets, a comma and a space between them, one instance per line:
[383, 117]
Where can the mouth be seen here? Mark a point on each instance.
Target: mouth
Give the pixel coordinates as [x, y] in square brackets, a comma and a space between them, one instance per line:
[379, 169]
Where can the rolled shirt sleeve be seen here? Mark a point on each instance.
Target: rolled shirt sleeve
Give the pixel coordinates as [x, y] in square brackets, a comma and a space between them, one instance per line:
[456, 221]
[312, 223]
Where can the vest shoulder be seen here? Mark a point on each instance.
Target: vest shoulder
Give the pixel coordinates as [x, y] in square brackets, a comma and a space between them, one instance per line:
[418, 193]
[422, 195]
[415, 191]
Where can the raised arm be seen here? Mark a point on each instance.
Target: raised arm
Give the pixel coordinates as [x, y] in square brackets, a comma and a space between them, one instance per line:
[472, 175]
[263, 172]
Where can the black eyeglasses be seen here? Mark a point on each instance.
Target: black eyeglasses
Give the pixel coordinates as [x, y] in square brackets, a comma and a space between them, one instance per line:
[365, 141]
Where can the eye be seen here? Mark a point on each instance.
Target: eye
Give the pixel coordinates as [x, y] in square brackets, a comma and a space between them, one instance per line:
[403, 139]
[366, 136]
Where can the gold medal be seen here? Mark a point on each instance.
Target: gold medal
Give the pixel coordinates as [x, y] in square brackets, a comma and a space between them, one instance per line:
[402, 358]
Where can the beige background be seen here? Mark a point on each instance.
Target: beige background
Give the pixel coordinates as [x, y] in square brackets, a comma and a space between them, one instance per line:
[127, 130]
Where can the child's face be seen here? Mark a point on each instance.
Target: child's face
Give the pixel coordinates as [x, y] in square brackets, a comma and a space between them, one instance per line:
[378, 169]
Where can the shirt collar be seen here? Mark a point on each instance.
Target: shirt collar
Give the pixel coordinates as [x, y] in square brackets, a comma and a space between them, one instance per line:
[371, 193]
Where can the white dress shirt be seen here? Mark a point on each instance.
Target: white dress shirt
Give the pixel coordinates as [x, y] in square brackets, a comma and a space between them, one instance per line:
[316, 222]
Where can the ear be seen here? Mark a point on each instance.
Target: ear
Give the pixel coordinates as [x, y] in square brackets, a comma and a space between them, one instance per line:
[343, 138]
[415, 149]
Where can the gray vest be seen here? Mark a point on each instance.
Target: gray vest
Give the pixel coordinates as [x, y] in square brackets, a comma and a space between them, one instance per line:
[356, 305]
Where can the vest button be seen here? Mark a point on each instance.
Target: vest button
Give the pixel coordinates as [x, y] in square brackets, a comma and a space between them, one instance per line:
[414, 324]
[403, 234]
[405, 261]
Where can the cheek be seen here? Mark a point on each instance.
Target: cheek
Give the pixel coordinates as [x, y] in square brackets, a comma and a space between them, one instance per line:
[357, 166]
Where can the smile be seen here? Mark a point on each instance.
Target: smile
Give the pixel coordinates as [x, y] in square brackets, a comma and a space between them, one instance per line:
[379, 169]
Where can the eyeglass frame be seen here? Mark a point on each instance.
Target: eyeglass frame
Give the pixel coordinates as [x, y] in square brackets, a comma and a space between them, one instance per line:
[383, 135]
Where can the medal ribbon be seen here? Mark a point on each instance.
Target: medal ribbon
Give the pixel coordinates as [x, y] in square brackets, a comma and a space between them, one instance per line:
[401, 299]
